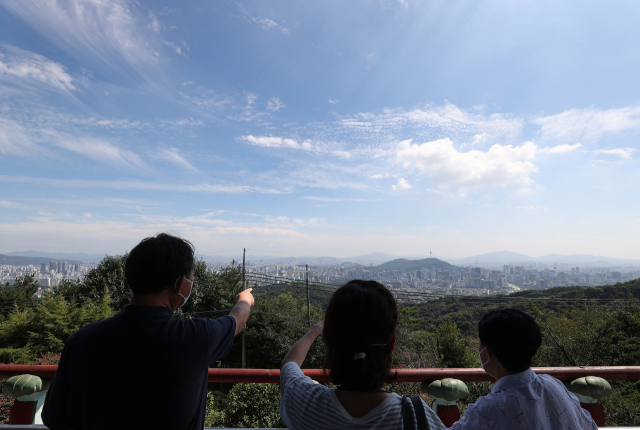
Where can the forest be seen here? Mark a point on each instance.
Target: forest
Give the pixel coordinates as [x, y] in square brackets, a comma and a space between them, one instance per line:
[582, 326]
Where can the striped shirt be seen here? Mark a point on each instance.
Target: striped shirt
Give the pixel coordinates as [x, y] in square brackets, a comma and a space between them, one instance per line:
[305, 404]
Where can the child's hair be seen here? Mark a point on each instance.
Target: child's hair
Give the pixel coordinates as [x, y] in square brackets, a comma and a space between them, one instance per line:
[361, 319]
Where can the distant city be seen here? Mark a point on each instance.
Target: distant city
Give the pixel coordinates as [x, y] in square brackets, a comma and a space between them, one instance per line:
[430, 276]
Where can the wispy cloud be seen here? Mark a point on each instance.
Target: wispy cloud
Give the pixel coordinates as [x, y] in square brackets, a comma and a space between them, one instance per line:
[172, 155]
[624, 153]
[588, 124]
[447, 120]
[275, 104]
[276, 142]
[21, 67]
[140, 185]
[100, 150]
[447, 166]
[15, 139]
[269, 25]
[108, 32]
[336, 199]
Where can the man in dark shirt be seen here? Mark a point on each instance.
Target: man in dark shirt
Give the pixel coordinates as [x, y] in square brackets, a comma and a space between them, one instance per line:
[142, 368]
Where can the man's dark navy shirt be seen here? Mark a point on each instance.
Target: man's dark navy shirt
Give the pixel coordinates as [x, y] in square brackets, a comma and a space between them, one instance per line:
[138, 369]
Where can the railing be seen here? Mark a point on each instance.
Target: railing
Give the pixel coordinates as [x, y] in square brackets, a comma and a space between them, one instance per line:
[404, 375]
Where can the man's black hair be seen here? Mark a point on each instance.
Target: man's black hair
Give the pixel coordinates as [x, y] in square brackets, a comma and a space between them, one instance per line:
[157, 262]
[512, 335]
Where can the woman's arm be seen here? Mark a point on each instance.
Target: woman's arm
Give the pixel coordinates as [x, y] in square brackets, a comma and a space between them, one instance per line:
[298, 352]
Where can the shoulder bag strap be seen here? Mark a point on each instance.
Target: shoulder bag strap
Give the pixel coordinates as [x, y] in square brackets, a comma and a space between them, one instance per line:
[407, 416]
[421, 416]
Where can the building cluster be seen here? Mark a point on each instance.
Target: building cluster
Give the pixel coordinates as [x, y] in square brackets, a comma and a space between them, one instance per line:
[451, 280]
[48, 275]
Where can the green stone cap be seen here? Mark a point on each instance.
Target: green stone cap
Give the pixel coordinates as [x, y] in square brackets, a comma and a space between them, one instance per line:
[449, 389]
[23, 385]
[591, 386]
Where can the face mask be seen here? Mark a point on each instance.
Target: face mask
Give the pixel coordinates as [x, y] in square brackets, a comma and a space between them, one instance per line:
[480, 358]
[189, 295]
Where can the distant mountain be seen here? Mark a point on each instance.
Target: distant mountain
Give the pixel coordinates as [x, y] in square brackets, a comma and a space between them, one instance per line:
[401, 263]
[376, 257]
[507, 257]
[76, 256]
[499, 257]
[23, 261]
[590, 259]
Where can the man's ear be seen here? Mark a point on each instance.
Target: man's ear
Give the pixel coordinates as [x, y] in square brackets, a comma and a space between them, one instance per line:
[179, 284]
[392, 344]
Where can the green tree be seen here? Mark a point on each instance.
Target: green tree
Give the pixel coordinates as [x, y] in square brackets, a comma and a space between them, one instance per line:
[272, 329]
[44, 328]
[19, 294]
[454, 350]
[246, 405]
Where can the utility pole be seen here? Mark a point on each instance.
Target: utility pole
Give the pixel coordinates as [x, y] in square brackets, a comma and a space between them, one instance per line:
[308, 298]
[244, 287]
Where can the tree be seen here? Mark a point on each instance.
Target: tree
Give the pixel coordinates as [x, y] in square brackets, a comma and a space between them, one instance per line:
[453, 350]
[246, 405]
[45, 327]
[19, 294]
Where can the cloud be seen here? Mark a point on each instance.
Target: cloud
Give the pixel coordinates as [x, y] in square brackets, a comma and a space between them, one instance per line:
[139, 185]
[5, 204]
[267, 24]
[379, 176]
[275, 104]
[625, 153]
[500, 165]
[447, 121]
[337, 199]
[29, 67]
[100, 150]
[15, 140]
[109, 32]
[561, 148]
[589, 123]
[333, 101]
[154, 24]
[402, 185]
[276, 142]
[177, 48]
[172, 155]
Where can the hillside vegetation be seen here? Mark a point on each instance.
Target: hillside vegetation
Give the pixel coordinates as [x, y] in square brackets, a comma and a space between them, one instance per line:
[582, 326]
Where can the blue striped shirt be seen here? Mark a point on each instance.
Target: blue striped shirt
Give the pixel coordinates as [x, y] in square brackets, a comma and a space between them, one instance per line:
[305, 404]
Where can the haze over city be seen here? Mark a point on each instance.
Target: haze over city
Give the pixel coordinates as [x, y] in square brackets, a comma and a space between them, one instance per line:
[326, 129]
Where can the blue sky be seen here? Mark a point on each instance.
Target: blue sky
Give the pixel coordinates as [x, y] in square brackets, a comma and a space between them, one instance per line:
[321, 128]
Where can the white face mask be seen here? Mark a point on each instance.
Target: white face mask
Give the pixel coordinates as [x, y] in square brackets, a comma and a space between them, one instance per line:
[190, 291]
[480, 358]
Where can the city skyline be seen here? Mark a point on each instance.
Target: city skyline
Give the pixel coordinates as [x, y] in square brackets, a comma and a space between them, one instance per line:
[345, 128]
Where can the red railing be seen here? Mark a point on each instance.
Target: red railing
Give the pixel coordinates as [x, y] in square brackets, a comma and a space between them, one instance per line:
[404, 375]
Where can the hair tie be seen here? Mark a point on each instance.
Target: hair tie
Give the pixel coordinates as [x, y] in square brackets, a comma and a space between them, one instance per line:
[359, 356]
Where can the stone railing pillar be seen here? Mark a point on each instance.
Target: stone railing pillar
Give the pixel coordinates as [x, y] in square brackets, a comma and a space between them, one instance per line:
[30, 392]
[447, 392]
[589, 390]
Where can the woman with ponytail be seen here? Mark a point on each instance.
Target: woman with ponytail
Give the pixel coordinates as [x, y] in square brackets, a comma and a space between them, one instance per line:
[359, 331]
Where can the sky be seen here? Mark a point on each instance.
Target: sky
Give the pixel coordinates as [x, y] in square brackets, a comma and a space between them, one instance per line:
[321, 128]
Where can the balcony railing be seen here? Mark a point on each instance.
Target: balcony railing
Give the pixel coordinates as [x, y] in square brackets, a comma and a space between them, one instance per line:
[403, 375]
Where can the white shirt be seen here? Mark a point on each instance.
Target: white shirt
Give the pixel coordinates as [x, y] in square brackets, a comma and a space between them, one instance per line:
[527, 401]
[305, 404]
